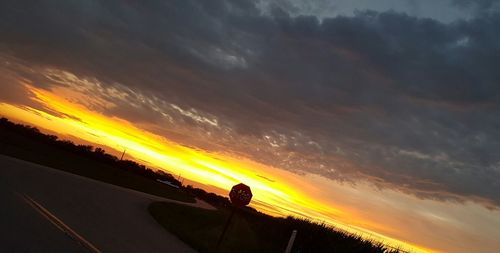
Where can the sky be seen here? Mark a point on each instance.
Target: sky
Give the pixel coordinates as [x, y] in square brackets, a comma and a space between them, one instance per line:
[380, 117]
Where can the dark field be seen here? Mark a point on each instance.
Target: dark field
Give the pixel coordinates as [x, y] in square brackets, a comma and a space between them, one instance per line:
[254, 232]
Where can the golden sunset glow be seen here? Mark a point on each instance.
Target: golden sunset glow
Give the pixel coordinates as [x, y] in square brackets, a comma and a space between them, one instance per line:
[275, 191]
[379, 118]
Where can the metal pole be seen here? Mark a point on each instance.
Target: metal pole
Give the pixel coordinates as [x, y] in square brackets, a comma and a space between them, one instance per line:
[290, 242]
[225, 228]
[121, 158]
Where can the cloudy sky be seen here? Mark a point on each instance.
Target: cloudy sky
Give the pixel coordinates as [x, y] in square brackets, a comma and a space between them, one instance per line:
[397, 100]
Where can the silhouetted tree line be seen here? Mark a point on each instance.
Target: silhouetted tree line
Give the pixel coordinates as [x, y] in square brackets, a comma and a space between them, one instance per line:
[87, 151]
[209, 197]
[99, 154]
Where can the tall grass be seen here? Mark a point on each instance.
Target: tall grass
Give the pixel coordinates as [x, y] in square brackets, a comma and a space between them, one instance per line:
[252, 231]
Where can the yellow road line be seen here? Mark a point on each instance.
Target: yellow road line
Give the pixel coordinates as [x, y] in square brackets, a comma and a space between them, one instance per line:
[59, 224]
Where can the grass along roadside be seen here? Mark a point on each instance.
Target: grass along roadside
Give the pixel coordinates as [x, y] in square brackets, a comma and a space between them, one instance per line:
[252, 231]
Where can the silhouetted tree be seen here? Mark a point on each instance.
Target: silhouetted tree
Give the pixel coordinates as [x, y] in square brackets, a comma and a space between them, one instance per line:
[86, 151]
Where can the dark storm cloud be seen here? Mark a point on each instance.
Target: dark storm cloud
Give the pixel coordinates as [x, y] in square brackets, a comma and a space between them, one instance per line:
[484, 5]
[405, 102]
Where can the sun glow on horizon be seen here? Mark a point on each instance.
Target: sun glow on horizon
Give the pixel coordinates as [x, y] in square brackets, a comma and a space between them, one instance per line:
[286, 194]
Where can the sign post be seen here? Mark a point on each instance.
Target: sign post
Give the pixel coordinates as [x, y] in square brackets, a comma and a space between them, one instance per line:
[290, 242]
[240, 196]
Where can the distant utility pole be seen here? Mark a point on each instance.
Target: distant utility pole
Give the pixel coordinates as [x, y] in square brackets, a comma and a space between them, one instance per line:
[290, 242]
[121, 158]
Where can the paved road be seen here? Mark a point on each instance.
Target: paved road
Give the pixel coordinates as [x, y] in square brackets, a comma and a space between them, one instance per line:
[39, 203]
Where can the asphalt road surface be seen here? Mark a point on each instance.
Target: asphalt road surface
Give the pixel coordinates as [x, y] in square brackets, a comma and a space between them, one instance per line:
[47, 210]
